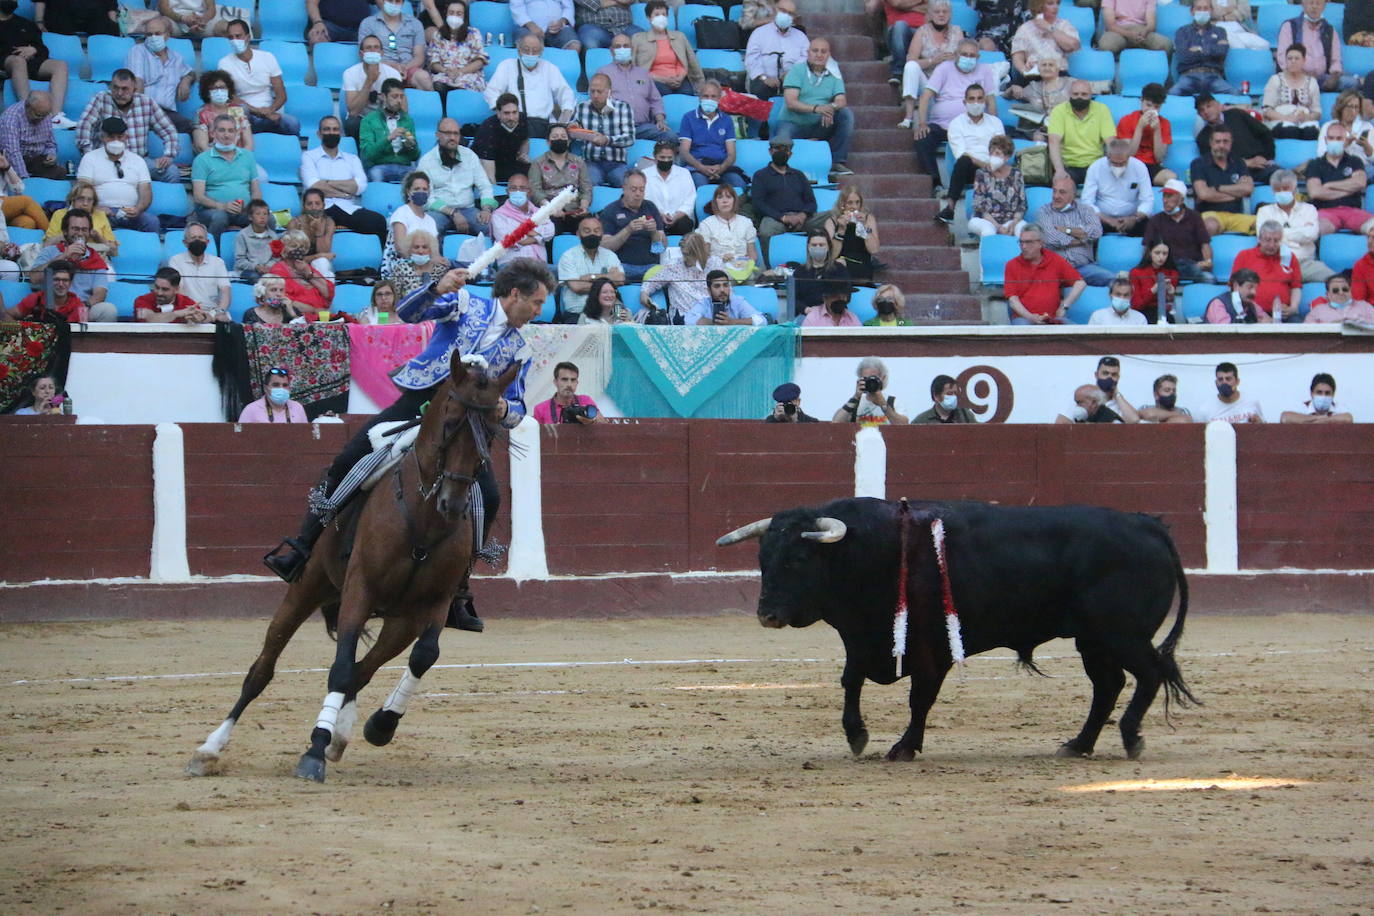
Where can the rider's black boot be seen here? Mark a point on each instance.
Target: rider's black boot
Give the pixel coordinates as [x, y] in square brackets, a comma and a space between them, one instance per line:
[288, 558]
[462, 615]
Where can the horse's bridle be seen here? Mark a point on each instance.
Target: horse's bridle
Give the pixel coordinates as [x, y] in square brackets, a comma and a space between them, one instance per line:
[481, 432]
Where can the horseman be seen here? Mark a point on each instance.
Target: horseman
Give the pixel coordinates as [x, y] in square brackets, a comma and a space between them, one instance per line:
[489, 328]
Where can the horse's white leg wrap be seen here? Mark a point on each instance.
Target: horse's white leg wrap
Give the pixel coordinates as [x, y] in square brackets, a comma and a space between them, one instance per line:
[218, 740]
[343, 731]
[329, 713]
[400, 697]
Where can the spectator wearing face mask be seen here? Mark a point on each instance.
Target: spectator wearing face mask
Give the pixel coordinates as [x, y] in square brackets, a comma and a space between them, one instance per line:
[1119, 313]
[1336, 184]
[275, 405]
[541, 91]
[1118, 188]
[455, 54]
[1323, 44]
[1338, 306]
[773, 49]
[362, 83]
[308, 289]
[161, 73]
[1046, 36]
[1238, 305]
[203, 275]
[1165, 409]
[1301, 228]
[634, 85]
[258, 76]
[1148, 134]
[1078, 132]
[1321, 406]
[669, 187]
[1200, 50]
[890, 305]
[1089, 407]
[403, 41]
[511, 214]
[1107, 382]
[557, 169]
[1184, 231]
[253, 255]
[461, 197]
[551, 21]
[999, 193]
[1230, 406]
[970, 137]
[942, 101]
[665, 53]
[424, 265]
[590, 260]
[817, 280]
[833, 312]
[944, 393]
[270, 305]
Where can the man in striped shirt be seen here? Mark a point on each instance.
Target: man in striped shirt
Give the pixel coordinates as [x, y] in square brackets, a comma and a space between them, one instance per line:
[26, 138]
[1071, 227]
[612, 123]
[141, 115]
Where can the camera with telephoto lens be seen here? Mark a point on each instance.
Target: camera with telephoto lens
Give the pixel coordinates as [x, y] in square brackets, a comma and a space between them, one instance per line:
[872, 384]
[572, 412]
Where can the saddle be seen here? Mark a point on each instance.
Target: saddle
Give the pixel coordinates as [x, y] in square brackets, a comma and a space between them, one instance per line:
[390, 443]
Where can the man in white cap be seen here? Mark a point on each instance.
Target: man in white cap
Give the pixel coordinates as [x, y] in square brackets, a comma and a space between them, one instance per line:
[1183, 230]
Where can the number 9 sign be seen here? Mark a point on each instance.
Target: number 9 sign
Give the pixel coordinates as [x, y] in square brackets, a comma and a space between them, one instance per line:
[987, 392]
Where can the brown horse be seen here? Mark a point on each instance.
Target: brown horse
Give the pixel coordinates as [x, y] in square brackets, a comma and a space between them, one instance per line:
[414, 544]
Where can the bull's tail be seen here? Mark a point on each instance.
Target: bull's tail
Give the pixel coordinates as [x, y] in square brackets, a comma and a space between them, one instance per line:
[1175, 690]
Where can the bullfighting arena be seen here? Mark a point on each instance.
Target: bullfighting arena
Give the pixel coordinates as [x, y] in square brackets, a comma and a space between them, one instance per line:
[680, 764]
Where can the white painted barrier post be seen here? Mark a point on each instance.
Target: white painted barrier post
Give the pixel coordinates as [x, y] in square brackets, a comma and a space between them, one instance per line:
[169, 557]
[870, 463]
[527, 559]
[1220, 513]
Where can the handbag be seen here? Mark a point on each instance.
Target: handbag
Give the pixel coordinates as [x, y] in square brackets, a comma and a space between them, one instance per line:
[1034, 162]
[742, 103]
[714, 33]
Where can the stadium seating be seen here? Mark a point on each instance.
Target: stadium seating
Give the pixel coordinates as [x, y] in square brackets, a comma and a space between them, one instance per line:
[213, 50]
[689, 13]
[812, 159]
[752, 155]
[122, 296]
[1035, 199]
[861, 303]
[675, 106]
[47, 189]
[763, 298]
[1083, 19]
[787, 248]
[493, 19]
[1341, 250]
[1249, 64]
[310, 104]
[354, 251]
[1172, 17]
[1092, 299]
[280, 155]
[567, 63]
[452, 242]
[965, 17]
[1290, 154]
[351, 298]
[1179, 158]
[496, 56]
[68, 48]
[331, 60]
[140, 253]
[603, 197]
[467, 107]
[1225, 247]
[1092, 65]
[381, 197]
[426, 108]
[704, 195]
[1118, 252]
[1195, 299]
[282, 22]
[281, 197]
[1139, 66]
[994, 251]
[106, 54]
[721, 60]
[79, 95]
[240, 299]
[292, 56]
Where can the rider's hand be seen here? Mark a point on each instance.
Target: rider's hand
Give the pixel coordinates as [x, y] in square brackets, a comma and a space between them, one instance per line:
[452, 281]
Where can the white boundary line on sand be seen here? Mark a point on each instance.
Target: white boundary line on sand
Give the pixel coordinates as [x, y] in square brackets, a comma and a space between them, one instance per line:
[625, 662]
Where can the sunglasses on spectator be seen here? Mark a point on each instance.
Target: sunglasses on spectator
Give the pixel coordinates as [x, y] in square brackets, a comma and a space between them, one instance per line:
[278, 370]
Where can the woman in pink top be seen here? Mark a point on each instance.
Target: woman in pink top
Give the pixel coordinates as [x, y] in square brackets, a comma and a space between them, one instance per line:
[275, 406]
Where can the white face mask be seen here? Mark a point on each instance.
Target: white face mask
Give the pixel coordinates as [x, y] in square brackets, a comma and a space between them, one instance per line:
[975, 109]
[392, 9]
[114, 148]
[995, 163]
[659, 22]
[454, 22]
[1283, 198]
[239, 45]
[1335, 148]
[783, 21]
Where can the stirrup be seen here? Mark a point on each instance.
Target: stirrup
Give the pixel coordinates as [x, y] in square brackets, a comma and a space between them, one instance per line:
[460, 617]
[288, 559]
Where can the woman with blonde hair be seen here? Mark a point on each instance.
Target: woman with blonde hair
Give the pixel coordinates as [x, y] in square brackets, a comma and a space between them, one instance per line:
[422, 266]
[82, 196]
[854, 230]
[684, 278]
[309, 290]
[1348, 112]
[891, 306]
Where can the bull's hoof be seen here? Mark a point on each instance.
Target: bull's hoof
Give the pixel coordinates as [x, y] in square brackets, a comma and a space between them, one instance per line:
[1069, 749]
[901, 752]
[380, 727]
[310, 768]
[858, 741]
[1134, 748]
[203, 764]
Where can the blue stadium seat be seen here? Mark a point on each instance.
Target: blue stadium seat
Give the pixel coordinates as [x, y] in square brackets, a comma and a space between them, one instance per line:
[965, 17]
[140, 253]
[66, 146]
[675, 106]
[787, 247]
[812, 159]
[1118, 252]
[351, 298]
[495, 56]
[79, 95]
[1139, 66]
[763, 298]
[310, 103]
[187, 50]
[1262, 195]
[994, 251]
[825, 198]
[752, 155]
[292, 55]
[213, 50]
[1195, 299]
[1250, 64]
[331, 60]
[1092, 299]
[1271, 16]
[861, 303]
[353, 251]
[567, 63]
[1341, 250]
[66, 47]
[689, 13]
[1181, 111]
[595, 59]
[493, 18]
[1369, 198]
[1172, 17]
[704, 195]
[1035, 199]
[185, 149]
[34, 86]
[171, 199]
[280, 155]
[639, 16]
[1290, 154]
[1181, 154]
[426, 109]
[46, 189]
[240, 299]
[122, 296]
[603, 197]
[640, 149]
[452, 242]
[1329, 103]
[381, 197]
[106, 54]
[538, 148]
[282, 22]
[281, 197]
[1225, 247]
[1310, 291]
[721, 60]
[25, 236]
[1118, 105]
[1092, 65]
[561, 243]
[467, 107]
[1084, 19]
[1357, 59]
[12, 292]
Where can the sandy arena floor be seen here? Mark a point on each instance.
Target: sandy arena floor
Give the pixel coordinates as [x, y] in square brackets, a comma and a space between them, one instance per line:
[677, 782]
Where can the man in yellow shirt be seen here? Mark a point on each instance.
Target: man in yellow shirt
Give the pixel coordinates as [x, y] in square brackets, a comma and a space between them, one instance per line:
[1078, 130]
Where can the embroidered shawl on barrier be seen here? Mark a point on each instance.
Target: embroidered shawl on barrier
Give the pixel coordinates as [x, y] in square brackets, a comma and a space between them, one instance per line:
[29, 349]
[378, 350]
[586, 345]
[315, 354]
[725, 372]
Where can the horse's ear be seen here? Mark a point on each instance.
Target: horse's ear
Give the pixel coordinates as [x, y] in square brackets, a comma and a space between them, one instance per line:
[507, 377]
[457, 369]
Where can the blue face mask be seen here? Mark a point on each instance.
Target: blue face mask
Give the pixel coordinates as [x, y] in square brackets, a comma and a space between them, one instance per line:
[279, 396]
[530, 61]
[519, 199]
[225, 147]
[1121, 305]
[1283, 198]
[1202, 17]
[420, 260]
[1321, 403]
[783, 21]
[709, 106]
[949, 401]
[372, 58]
[419, 198]
[156, 43]
[622, 55]
[966, 64]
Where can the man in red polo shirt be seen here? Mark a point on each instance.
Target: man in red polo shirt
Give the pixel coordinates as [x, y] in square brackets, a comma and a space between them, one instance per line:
[166, 304]
[1280, 277]
[64, 301]
[1034, 279]
[1362, 274]
[1150, 133]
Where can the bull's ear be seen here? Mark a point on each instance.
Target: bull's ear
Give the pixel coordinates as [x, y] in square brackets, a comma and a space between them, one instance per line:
[828, 530]
[751, 530]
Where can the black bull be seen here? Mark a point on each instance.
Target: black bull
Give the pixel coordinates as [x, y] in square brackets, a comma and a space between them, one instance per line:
[1019, 577]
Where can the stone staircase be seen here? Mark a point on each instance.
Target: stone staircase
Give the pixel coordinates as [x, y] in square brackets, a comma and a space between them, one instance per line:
[921, 257]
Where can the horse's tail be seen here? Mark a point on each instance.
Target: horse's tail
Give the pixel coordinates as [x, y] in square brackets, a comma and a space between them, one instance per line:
[1175, 690]
[330, 613]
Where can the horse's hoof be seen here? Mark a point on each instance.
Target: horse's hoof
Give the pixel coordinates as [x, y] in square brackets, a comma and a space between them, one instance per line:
[858, 741]
[310, 768]
[900, 752]
[1134, 750]
[1069, 749]
[334, 753]
[203, 764]
[380, 727]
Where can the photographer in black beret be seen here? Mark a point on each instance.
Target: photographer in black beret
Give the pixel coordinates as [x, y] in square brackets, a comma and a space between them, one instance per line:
[788, 406]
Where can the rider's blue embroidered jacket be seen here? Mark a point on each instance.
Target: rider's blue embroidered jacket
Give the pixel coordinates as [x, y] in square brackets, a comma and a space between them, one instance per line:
[463, 321]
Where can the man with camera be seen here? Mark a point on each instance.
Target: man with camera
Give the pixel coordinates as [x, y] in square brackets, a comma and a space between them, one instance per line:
[722, 306]
[788, 406]
[567, 406]
[870, 405]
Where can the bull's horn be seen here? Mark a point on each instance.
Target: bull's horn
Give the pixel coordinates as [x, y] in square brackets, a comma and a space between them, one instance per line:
[751, 530]
[828, 530]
